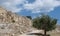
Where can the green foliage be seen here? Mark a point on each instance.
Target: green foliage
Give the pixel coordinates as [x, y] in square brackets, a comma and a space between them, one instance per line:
[29, 17]
[45, 22]
[13, 21]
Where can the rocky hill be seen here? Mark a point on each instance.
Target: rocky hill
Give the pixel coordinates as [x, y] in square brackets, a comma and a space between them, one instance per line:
[13, 24]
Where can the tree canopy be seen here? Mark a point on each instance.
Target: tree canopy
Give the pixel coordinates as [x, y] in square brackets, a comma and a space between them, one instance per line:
[45, 22]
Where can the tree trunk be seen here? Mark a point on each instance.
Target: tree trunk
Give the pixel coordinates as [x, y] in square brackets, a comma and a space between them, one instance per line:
[45, 32]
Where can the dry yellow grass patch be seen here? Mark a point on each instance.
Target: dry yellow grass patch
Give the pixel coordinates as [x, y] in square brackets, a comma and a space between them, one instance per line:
[54, 33]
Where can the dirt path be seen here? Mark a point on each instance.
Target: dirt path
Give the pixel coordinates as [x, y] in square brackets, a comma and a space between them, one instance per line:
[34, 31]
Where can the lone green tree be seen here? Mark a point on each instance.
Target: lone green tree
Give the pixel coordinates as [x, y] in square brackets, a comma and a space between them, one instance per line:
[45, 23]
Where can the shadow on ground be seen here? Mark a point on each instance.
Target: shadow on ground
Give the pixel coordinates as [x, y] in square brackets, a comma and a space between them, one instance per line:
[39, 34]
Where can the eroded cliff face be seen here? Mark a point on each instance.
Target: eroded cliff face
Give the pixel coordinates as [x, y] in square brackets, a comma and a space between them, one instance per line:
[13, 24]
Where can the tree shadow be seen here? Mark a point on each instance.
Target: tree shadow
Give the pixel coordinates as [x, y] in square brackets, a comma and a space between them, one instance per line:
[39, 34]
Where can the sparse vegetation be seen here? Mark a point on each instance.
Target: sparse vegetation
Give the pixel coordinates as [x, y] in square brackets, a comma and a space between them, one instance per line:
[13, 21]
[29, 17]
[2, 27]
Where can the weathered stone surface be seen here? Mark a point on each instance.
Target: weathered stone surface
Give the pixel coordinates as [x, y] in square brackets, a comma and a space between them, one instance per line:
[13, 24]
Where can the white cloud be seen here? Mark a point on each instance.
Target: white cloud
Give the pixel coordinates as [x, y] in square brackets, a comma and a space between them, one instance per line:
[11, 5]
[42, 6]
[37, 6]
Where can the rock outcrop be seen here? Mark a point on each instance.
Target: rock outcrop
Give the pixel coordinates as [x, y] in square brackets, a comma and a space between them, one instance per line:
[12, 24]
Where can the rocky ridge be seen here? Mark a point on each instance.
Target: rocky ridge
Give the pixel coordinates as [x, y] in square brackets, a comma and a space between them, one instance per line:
[12, 24]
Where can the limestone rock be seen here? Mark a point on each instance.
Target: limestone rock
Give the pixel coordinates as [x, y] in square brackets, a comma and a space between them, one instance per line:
[13, 24]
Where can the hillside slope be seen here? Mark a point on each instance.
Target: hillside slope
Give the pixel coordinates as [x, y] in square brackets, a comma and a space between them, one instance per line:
[13, 24]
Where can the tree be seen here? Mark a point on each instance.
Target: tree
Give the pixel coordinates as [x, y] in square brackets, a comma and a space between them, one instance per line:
[29, 17]
[45, 23]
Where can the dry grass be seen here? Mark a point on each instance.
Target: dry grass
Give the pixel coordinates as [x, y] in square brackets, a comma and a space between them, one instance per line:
[54, 33]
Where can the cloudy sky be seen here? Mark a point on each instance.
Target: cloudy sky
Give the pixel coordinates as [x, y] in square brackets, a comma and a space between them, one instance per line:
[33, 7]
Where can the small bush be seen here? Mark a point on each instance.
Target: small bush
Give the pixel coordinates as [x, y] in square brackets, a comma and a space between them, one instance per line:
[13, 21]
[2, 27]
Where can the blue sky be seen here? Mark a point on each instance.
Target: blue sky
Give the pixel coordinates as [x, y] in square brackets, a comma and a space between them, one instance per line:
[55, 13]
[33, 7]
